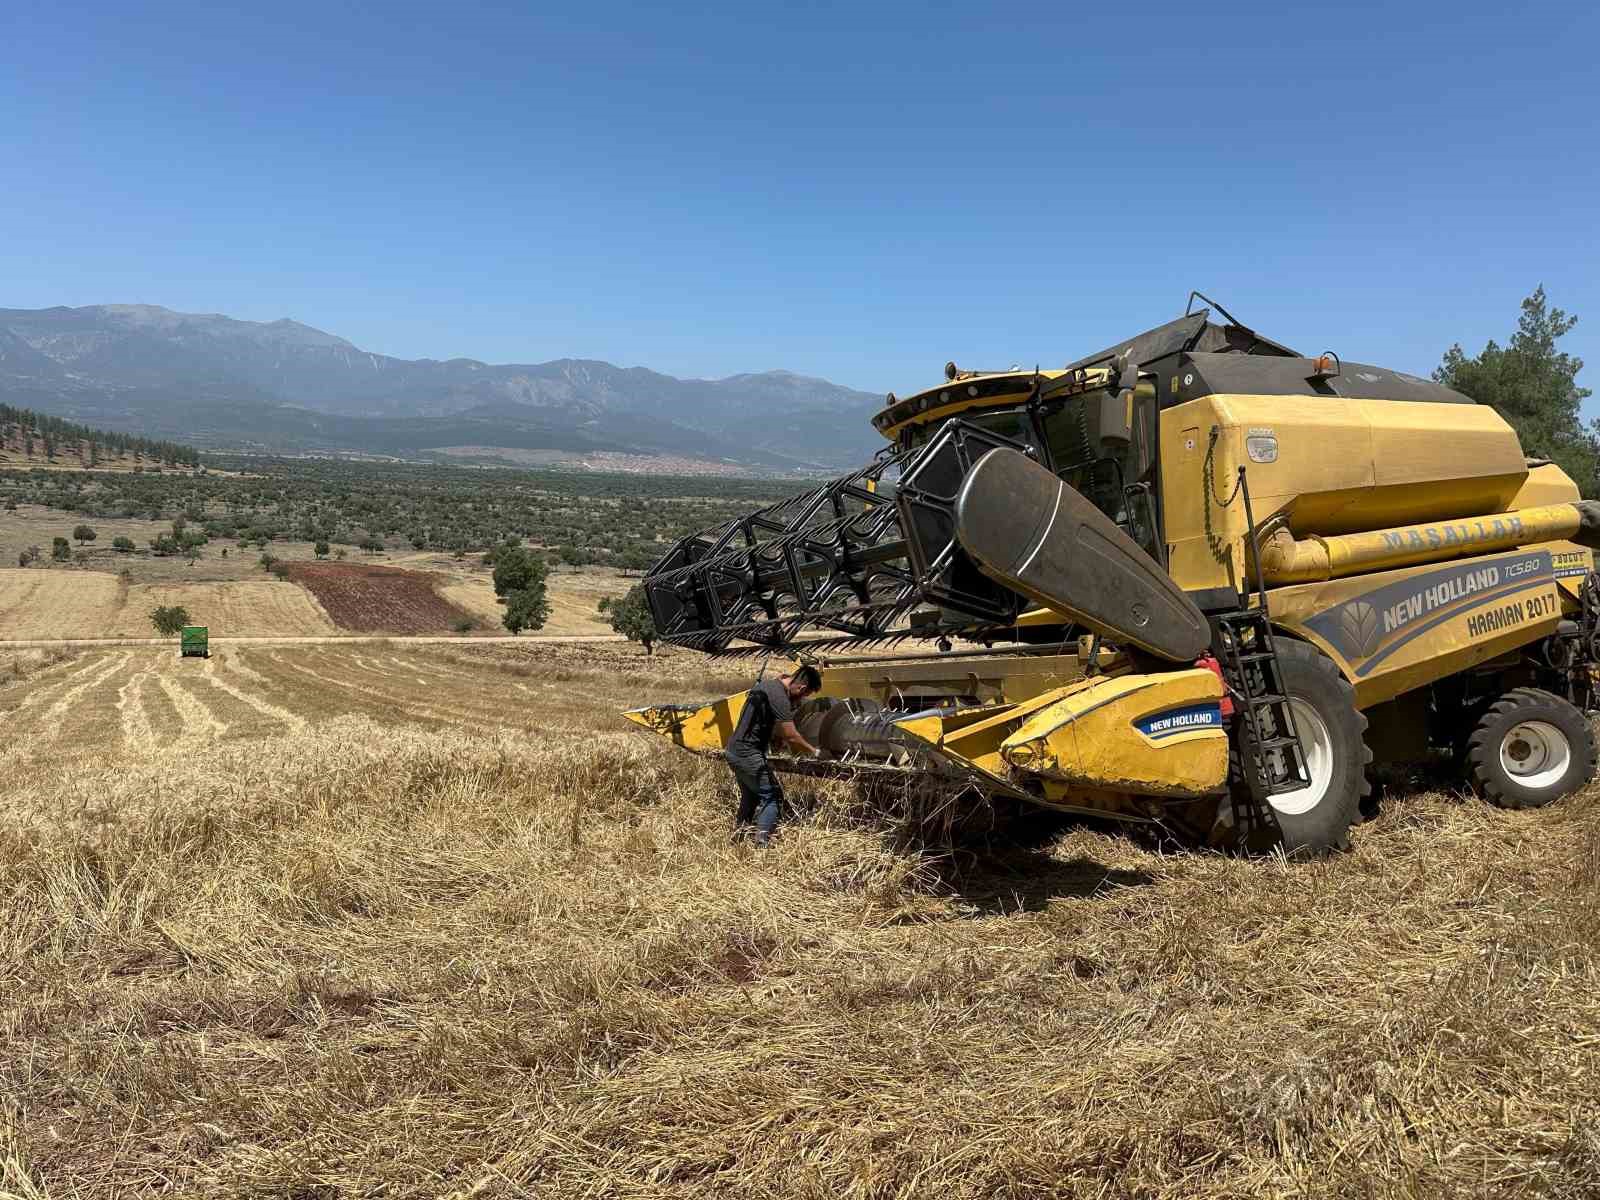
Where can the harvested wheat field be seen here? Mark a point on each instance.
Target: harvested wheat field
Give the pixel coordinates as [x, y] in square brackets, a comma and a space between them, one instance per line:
[40, 604]
[237, 608]
[493, 945]
[55, 604]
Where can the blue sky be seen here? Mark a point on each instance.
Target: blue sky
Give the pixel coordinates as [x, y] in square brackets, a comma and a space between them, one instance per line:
[855, 191]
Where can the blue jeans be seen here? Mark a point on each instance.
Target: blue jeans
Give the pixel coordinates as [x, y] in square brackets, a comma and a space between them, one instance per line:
[760, 796]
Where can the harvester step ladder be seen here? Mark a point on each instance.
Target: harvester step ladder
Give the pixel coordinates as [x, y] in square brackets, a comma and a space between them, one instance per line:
[1269, 748]
[1272, 759]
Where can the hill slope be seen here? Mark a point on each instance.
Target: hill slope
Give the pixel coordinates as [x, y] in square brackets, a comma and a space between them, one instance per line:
[29, 439]
[281, 385]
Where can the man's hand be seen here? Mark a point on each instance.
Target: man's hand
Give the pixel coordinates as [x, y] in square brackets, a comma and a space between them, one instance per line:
[795, 740]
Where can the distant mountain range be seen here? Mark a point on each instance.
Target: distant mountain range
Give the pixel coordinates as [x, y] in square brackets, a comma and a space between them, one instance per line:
[280, 386]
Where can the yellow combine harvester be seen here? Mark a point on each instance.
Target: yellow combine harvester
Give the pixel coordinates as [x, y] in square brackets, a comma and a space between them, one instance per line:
[1202, 580]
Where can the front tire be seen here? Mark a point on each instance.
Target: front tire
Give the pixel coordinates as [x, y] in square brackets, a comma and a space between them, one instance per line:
[1317, 818]
[1530, 747]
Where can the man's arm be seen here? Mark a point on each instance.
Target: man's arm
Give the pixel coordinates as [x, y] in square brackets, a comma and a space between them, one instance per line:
[792, 736]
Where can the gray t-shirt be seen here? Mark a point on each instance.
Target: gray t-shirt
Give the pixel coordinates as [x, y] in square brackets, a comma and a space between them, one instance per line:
[766, 707]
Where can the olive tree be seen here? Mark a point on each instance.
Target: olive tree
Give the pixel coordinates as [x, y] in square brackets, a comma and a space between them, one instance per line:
[169, 618]
[630, 616]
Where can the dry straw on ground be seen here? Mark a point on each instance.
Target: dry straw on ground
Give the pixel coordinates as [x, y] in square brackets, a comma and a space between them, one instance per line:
[374, 960]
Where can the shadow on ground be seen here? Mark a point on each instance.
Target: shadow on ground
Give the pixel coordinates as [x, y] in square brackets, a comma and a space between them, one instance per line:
[1021, 879]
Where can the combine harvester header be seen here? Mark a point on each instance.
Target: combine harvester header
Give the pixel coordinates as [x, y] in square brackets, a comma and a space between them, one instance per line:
[1196, 563]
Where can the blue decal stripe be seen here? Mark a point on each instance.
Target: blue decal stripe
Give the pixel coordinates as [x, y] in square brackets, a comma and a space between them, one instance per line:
[1482, 599]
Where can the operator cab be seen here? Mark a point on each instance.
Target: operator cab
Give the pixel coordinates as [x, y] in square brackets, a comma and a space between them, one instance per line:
[1097, 434]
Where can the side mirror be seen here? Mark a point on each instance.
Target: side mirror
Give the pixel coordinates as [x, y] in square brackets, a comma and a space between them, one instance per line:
[1116, 411]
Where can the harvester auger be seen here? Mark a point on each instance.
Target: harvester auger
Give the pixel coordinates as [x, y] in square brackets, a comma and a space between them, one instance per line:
[1201, 580]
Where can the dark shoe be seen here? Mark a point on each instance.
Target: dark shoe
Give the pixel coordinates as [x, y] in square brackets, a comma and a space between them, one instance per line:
[763, 840]
[741, 831]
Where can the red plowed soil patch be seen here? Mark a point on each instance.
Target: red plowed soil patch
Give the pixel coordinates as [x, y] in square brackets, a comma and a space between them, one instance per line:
[371, 599]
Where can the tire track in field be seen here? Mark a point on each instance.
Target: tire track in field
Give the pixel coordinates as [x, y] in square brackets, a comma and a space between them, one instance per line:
[195, 717]
[53, 717]
[292, 721]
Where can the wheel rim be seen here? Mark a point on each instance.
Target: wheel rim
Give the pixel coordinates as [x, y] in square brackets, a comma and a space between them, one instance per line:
[1317, 744]
[1535, 754]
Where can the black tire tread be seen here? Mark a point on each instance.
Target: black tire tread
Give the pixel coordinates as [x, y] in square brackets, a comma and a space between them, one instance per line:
[1482, 754]
[1342, 695]
[1347, 692]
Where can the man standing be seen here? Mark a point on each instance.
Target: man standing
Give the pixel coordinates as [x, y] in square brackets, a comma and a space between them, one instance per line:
[768, 709]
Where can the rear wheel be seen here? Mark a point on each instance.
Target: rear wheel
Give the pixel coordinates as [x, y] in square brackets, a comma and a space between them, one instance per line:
[1317, 818]
[1530, 747]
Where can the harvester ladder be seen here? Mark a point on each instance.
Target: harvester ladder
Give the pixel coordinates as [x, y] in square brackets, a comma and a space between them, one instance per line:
[1273, 758]
[1270, 753]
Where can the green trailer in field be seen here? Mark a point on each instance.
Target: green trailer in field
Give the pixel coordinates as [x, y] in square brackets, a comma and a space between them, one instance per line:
[194, 642]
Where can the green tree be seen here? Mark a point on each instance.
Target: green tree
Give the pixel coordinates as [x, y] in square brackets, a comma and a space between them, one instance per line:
[528, 608]
[122, 545]
[630, 616]
[321, 549]
[84, 534]
[60, 549]
[169, 618]
[515, 570]
[1534, 387]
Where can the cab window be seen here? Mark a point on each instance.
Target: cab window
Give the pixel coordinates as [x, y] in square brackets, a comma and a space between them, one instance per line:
[1118, 476]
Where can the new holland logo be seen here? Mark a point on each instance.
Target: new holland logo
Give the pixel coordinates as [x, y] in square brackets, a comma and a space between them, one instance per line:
[1360, 623]
[1180, 720]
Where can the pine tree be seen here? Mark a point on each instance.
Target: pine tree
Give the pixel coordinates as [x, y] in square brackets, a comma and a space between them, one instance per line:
[1534, 387]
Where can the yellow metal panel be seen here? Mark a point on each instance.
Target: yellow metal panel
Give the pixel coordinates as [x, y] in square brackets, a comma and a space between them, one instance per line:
[1200, 532]
[1149, 734]
[981, 742]
[703, 727]
[1341, 466]
[1344, 466]
[1547, 484]
[1393, 631]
